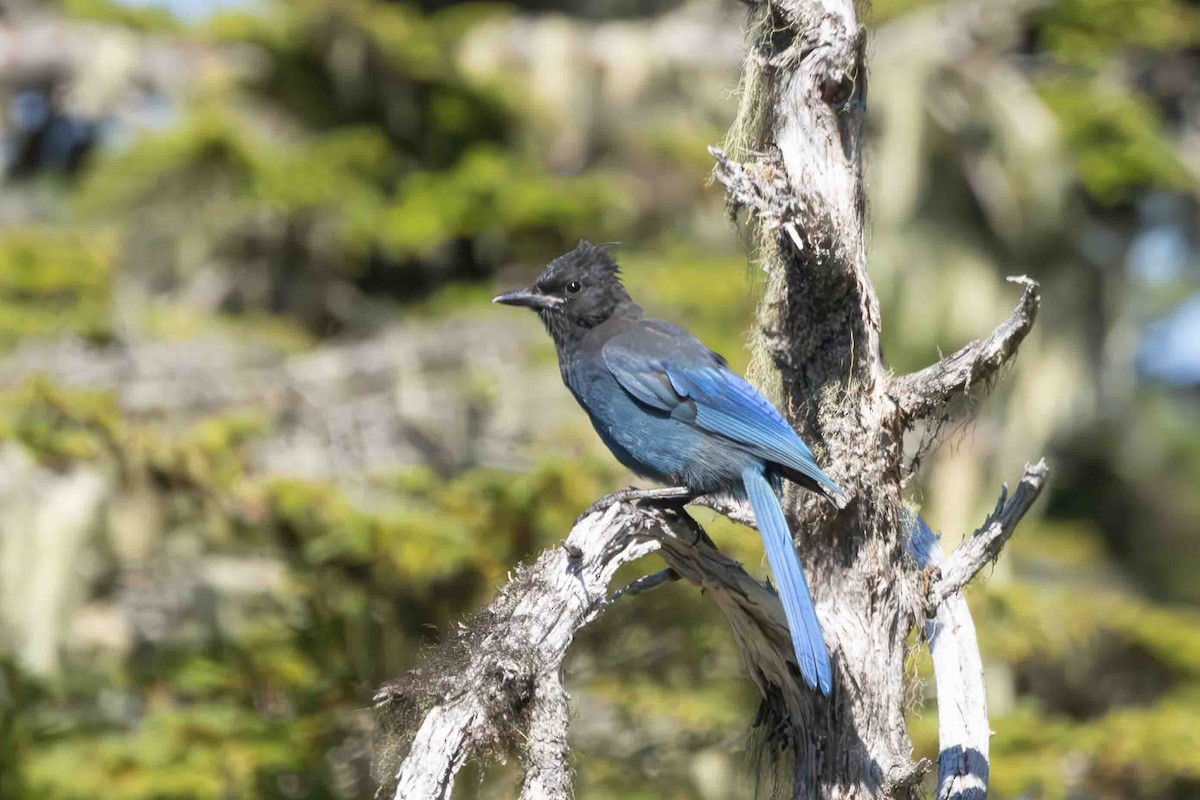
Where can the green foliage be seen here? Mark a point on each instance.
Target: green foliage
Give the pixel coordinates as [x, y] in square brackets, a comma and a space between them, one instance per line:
[53, 283]
[490, 192]
[247, 702]
[57, 425]
[19, 695]
[708, 292]
[1118, 146]
[206, 751]
[385, 158]
[881, 11]
[147, 18]
[1120, 141]
[1139, 752]
[341, 176]
[406, 44]
[60, 426]
[1019, 630]
[1088, 32]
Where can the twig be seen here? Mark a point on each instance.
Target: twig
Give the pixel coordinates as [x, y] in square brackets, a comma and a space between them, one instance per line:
[984, 545]
[646, 583]
[922, 393]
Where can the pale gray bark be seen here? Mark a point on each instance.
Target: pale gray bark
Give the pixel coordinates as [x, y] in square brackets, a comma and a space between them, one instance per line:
[503, 686]
[547, 753]
[793, 163]
[963, 729]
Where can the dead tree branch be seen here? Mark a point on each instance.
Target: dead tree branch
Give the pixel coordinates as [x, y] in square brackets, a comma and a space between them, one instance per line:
[964, 732]
[498, 685]
[794, 164]
[920, 394]
[983, 547]
[547, 755]
[507, 680]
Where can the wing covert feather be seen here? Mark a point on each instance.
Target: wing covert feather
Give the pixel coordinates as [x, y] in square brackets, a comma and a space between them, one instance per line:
[667, 368]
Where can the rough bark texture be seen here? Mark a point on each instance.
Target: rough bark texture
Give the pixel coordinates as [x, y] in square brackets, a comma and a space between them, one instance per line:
[794, 165]
[803, 103]
[497, 685]
[804, 93]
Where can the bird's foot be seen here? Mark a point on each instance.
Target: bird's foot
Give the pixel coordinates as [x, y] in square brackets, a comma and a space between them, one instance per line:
[666, 496]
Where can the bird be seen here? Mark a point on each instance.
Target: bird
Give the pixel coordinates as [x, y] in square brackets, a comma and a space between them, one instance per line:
[672, 411]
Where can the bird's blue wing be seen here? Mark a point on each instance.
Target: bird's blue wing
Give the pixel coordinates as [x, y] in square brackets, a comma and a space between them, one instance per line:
[667, 368]
[639, 359]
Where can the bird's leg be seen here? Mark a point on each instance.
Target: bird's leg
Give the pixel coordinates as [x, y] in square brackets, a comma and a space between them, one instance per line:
[666, 496]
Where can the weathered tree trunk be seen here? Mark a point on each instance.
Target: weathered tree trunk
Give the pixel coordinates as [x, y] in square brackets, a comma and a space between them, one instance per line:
[794, 165]
[805, 89]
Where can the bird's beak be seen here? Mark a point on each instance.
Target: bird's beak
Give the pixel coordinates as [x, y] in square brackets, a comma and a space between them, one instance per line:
[527, 298]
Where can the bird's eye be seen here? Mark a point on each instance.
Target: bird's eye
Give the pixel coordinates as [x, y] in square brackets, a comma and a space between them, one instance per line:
[573, 287]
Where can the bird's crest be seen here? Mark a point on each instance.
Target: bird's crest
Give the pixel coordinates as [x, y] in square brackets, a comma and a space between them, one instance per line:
[586, 258]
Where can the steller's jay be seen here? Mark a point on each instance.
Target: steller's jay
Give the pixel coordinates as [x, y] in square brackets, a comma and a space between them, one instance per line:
[670, 410]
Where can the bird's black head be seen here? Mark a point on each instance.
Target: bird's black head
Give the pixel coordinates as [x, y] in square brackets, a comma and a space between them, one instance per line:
[576, 292]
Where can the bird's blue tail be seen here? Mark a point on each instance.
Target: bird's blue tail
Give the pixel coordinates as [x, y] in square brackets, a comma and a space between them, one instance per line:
[807, 641]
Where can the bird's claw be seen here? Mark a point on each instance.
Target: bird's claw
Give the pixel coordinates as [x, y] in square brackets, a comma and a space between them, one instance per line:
[666, 496]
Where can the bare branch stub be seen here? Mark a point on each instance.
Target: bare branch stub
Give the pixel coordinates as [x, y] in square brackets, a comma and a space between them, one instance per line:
[646, 583]
[985, 544]
[760, 187]
[920, 394]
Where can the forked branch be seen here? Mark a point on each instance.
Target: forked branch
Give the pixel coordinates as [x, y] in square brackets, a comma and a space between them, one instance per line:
[964, 732]
[921, 394]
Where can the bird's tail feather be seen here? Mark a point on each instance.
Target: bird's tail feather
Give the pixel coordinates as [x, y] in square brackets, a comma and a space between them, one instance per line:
[807, 641]
[817, 481]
